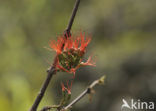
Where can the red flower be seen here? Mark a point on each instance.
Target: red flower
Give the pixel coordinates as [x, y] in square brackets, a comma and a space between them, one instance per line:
[68, 89]
[70, 52]
[57, 45]
[89, 62]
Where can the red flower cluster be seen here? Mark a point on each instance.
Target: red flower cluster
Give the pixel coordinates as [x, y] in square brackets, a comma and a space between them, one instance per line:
[70, 52]
[68, 88]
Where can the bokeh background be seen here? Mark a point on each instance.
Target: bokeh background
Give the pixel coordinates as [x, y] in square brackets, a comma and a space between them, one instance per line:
[123, 42]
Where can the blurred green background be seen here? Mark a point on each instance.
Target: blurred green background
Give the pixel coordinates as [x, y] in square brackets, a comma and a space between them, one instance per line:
[123, 41]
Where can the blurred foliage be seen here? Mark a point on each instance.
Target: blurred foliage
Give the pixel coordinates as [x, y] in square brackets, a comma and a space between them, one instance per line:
[123, 41]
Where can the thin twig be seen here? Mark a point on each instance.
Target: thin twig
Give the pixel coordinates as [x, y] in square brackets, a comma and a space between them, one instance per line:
[86, 91]
[43, 89]
[73, 16]
[52, 70]
[50, 107]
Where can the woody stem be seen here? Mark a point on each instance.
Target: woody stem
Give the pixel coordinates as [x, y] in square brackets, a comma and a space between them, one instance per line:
[73, 16]
[52, 70]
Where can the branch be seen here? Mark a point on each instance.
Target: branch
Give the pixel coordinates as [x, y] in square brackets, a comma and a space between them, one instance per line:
[73, 16]
[86, 91]
[50, 107]
[52, 69]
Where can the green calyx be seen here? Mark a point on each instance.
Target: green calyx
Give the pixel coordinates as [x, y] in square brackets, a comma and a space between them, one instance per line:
[70, 58]
[65, 98]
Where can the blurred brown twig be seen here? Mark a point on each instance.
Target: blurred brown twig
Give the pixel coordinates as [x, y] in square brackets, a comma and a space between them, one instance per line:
[88, 90]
